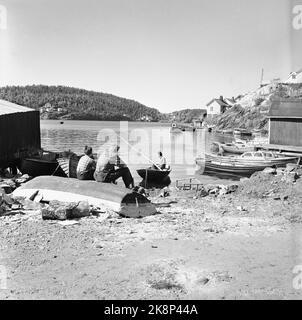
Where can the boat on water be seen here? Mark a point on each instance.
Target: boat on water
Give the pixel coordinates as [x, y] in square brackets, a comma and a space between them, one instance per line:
[227, 131]
[242, 132]
[126, 202]
[237, 147]
[153, 175]
[175, 129]
[245, 164]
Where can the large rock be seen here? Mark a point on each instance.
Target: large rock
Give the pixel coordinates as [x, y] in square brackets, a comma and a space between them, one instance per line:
[269, 171]
[57, 210]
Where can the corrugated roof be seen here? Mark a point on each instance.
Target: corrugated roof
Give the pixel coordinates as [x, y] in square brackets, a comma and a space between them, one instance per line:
[9, 108]
[288, 109]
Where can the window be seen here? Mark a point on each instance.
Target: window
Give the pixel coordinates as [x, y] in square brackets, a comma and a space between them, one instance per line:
[259, 154]
[246, 155]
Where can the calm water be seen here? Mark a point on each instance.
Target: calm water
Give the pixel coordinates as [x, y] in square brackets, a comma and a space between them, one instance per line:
[139, 143]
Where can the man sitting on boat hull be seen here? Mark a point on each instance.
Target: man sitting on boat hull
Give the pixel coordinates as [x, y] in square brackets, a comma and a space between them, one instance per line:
[86, 165]
[111, 167]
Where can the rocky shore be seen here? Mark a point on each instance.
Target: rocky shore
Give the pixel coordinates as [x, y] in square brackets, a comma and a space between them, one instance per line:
[240, 241]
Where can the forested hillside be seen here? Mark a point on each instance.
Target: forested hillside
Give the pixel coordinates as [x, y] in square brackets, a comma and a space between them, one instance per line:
[59, 102]
[186, 115]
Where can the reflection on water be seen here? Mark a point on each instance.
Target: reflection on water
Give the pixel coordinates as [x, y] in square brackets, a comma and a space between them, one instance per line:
[139, 141]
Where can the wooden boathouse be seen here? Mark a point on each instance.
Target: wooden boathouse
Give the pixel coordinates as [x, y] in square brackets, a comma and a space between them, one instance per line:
[19, 132]
[285, 126]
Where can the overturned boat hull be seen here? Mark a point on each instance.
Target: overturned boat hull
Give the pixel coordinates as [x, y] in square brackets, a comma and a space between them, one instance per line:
[106, 196]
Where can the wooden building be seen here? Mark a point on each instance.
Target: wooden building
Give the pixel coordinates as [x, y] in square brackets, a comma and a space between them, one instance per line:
[285, 123]
[19, 132]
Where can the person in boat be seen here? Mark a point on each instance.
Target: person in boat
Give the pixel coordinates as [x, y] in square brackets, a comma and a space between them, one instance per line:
[162, 162]
[220, 150]
[111, 167]
[86, 165]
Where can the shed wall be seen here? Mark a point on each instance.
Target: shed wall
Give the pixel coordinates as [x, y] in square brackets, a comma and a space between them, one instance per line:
[286, 131]
[19, 133]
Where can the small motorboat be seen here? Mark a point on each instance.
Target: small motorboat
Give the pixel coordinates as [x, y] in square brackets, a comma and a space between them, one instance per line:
[227, 131]
[153, 175]
[246, 164]
[242, 132]
[237, 147]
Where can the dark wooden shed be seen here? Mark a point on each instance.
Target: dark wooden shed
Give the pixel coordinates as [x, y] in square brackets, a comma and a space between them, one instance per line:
[285, 123]
[19, 132]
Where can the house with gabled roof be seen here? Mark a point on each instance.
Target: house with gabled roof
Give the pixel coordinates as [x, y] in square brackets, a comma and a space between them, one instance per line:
[217, 106]
[294, 77]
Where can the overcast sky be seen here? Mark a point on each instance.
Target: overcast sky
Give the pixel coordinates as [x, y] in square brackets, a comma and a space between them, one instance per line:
[167, 54]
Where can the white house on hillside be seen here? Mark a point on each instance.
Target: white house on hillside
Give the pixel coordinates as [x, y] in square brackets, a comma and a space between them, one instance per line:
[217, 106]
[295, 77]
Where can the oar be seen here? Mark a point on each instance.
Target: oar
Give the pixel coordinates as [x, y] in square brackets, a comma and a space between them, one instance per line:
[140, 153]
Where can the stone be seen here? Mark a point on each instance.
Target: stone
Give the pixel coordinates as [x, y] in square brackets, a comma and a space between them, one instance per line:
[290, 177]
[280, 171]
[57, 210]
[202, 193]
[81, 210]
[269, 171]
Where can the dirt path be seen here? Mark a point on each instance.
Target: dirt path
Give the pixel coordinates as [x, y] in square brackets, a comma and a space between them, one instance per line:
[193, 249]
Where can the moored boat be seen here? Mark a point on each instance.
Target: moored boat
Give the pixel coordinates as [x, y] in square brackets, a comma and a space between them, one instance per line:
[237, 147]
[175, 129]
[153, 175]
[242, 132]
[246, 164]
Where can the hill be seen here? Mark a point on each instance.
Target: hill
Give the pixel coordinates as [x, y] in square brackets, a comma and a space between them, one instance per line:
[60, 102]
[185, 116]
[251, 111]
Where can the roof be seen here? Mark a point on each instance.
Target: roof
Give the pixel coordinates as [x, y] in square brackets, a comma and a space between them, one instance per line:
[230, 100]
[295, 77]
[9, 108]
[220, 102]
[286, 109]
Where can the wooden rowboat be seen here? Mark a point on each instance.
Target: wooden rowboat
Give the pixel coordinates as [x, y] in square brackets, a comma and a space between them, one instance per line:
[45, 164]
[153, 175]
[246, 164]
[68, 163]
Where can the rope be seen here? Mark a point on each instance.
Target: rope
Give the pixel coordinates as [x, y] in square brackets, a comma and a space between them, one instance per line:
[56, 169]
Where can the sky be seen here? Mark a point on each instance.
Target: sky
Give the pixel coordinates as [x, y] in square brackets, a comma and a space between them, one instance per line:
[166, 54]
